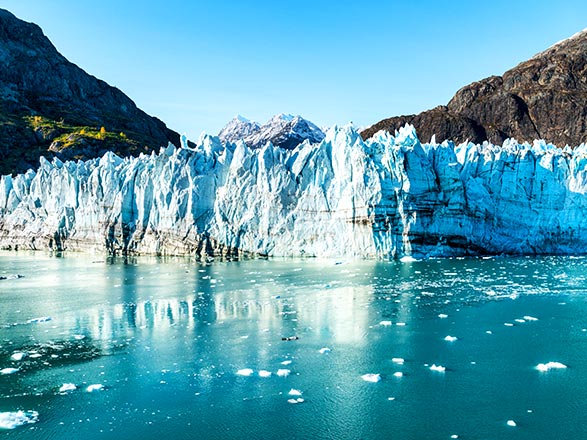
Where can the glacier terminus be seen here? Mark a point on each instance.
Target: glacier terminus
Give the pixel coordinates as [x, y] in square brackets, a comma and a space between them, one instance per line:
[386, 197]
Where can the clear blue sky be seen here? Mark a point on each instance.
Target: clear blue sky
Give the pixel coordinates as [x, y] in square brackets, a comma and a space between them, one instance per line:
[197, 64]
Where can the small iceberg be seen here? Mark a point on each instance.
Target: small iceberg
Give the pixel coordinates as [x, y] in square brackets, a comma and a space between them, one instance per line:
[294, 392]
[324, 350]
[11, 420]
[18, 356]
[244, 372]
[94, 387]
[550, 366]
[283, 372]
[450, 338]
[67, 387]
[511, 423]
[5, 371]
[264, 373]
[438, 368]
[371, 377]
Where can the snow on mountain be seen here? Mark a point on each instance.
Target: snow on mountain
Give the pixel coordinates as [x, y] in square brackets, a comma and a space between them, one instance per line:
[285, 131]
[238, 128]
[388, 196]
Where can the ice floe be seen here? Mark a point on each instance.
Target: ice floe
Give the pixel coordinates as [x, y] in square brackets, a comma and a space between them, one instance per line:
[450, 338]
[550, 366]
[438, 368]
[295, 401]
[67, 387]
[18, 356]
[530, 318]
[511, 423]
[283, 372]
[11, 420]
[385, 323]
[286, 362]
[398, 374]
[95, 387]
[294, 392]
[324, 350]
[9, 370]
[399, 361]
[245, 372]
[442, 316]
[264, 373]
[371, 377]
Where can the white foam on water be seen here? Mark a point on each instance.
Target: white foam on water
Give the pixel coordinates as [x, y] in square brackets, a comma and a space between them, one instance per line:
[294, 392]
[283, 372]
[438, 368]
[264, 373]
[244, 372]
[8, 371]
[67, 387]
[12, 420]
[95, 387]
[371, 377]
[550, 366]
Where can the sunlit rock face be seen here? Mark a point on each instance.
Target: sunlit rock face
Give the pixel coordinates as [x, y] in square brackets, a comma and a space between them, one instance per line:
[386, 197]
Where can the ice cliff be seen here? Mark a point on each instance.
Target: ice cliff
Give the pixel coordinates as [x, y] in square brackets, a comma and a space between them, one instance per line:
[388, 196]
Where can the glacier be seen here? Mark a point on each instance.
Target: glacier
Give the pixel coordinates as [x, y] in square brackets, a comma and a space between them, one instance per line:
[387, 197]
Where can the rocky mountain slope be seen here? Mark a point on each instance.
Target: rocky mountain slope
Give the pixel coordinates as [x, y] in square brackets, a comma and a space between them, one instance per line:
[50, 107]
[542, 98]
[343, 197]
[285, 131]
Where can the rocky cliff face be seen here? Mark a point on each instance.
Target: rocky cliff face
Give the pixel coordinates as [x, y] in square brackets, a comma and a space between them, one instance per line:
[51, 107]
[343, 197]
[542, 98]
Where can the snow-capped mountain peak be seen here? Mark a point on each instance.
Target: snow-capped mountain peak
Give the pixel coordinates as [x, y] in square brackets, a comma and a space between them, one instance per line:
[282, 130]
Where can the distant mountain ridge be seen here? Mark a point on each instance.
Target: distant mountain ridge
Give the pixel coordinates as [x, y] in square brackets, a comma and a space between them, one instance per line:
[50, 107]
[285, 131]
[542, 98]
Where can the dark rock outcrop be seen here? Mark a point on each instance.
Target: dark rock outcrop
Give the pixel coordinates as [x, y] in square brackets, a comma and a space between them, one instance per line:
[542, 98]
[49, 106]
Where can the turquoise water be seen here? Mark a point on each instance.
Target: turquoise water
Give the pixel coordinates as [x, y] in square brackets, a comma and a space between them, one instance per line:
[165, 338]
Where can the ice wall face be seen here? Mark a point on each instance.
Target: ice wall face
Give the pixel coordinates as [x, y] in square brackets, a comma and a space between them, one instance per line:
[388, 196]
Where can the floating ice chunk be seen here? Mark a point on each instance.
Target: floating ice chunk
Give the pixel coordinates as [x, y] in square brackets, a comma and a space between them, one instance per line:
[400, 324]
[454, 436]
[438, 368]
[391, 398]
[407, 259]
[530, 318]
[442, 316]
[295, 401]
[78, 337]
[521, 321]
[39, 320]
[294, 392]
[8, 371]
[95, 387]
[244, 372]
[508, 324]
[264, 373]
[398, 374]
[11, 420]
[283, 372]
[450, 338]
[18, 356]
[35, 355]
[324, 350]
[489, 332]
[371, 377]
[67, 387]
[385, 323]
[286, 362]
[550, 365]
[398, 360]
[511, 423]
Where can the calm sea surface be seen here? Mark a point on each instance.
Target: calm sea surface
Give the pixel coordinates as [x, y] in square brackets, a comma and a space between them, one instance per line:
[166, 346]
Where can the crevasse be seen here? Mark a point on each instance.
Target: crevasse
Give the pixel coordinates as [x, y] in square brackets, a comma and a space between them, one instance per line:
[387, 197]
